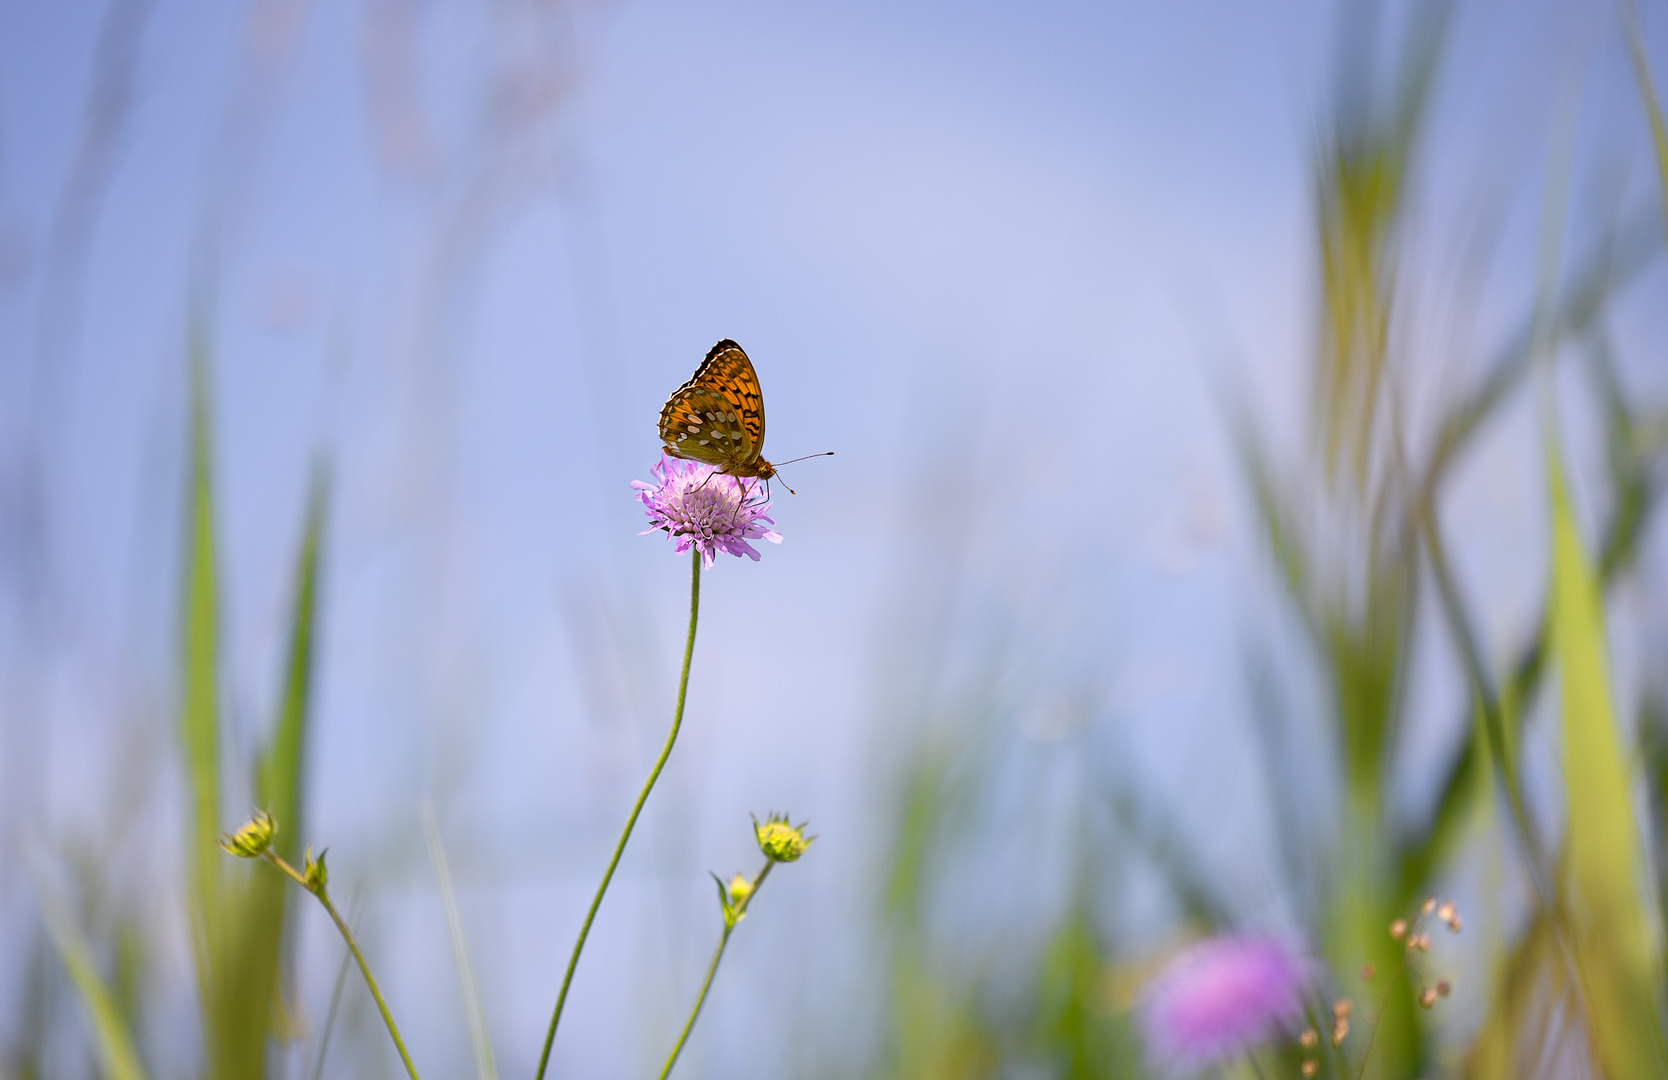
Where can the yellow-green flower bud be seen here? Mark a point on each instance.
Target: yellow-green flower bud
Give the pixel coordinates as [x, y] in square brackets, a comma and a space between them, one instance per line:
[741, 887]
[780, 841]
[252, 840]
[313, 871]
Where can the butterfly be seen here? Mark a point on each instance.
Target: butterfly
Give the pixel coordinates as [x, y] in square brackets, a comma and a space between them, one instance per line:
[718, 415]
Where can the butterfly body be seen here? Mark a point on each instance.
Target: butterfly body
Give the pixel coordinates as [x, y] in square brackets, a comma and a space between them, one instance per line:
[717, 417]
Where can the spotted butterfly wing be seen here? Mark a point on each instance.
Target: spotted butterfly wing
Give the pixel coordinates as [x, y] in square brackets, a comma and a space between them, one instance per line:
[718, 415]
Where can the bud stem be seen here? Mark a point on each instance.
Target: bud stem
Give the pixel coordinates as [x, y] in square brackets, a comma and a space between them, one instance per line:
[353, 946]
[712, 969]
[642, 797]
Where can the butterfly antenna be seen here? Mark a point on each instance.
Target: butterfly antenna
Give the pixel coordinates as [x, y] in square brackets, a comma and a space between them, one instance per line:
[807, 457]
[790, 461]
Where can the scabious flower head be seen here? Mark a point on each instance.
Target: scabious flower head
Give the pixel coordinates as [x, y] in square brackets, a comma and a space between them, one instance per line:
[252, 839]
[1221, 997]
[700, 507]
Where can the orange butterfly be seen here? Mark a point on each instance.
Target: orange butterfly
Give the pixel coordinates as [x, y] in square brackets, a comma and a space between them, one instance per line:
[718, 416]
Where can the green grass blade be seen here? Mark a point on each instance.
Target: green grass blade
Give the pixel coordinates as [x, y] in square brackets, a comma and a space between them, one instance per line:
[118, 1059]
[1647, 93]
[1074, 1030]
[199, 719]
[249, 959]
[1606, 918]
[476, 1016]
[278, 779]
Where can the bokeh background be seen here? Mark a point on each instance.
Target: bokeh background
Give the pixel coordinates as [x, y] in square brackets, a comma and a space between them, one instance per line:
[1063, 649]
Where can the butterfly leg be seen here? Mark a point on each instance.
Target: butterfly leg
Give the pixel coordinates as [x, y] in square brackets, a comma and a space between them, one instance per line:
[746, 497]
[703, 483]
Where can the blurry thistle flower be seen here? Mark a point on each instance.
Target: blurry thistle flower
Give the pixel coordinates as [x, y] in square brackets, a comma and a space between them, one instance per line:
[700, 507]
[780, 841]
[252, 840]
[1220, 998]
[313, 871]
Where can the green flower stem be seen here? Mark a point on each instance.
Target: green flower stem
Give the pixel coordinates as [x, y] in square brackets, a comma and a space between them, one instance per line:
[353, 947]
[712, 969]
[642, 797]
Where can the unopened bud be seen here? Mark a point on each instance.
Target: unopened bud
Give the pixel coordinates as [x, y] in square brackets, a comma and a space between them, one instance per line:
[780, 841]
[252, 840]
[313, 871]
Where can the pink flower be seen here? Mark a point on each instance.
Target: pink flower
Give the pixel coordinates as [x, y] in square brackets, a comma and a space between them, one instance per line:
[700, 507]
[1220, 998]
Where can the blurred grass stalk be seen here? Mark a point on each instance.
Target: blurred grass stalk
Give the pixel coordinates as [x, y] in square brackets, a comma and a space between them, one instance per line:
[1353, 539]
[238, 918]
[239, 915]
[1351, 567]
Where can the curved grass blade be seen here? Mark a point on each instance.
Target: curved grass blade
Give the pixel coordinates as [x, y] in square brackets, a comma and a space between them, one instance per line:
[1606, 918]
[1647, 94]
[118, 1059]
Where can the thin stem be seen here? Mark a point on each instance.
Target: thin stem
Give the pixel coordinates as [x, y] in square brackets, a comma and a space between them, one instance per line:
[330, 1016]
[353, 947]
[712, 969]
[642, 797]
[1378, 1013]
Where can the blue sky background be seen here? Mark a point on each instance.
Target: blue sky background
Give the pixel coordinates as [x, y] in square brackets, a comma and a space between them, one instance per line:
[1009, 261]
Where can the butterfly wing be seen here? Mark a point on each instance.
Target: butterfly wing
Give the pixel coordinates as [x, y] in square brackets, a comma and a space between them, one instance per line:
[718, 415]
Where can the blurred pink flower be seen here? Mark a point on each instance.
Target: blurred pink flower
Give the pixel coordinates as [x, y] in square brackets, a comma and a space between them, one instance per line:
[699, 507]
[1220, 998]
